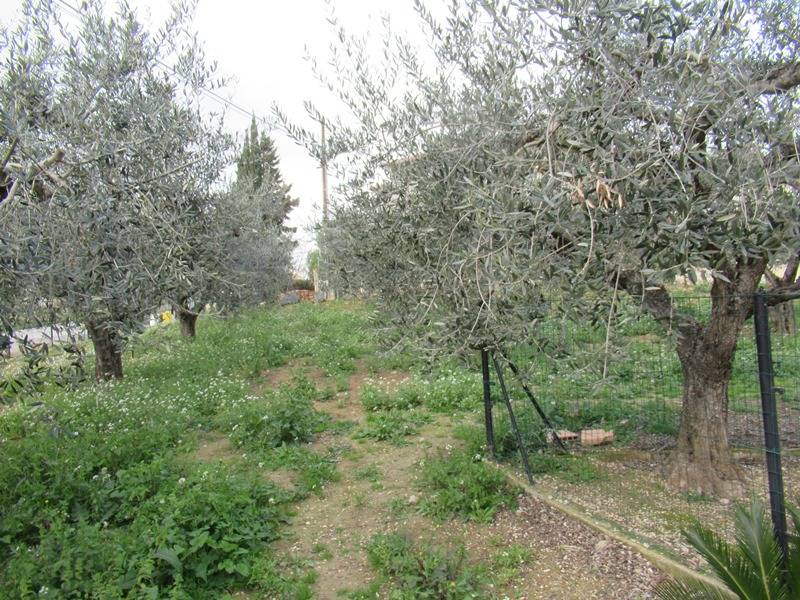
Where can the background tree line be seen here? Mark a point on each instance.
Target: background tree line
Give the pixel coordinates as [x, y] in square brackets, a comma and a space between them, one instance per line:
[113, 196]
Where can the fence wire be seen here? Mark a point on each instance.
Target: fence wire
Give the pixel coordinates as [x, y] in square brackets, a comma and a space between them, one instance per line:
[625, 375]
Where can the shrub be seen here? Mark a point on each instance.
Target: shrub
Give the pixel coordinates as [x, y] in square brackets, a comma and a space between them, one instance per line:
[458, 485]
[392, 426]
[425, 572]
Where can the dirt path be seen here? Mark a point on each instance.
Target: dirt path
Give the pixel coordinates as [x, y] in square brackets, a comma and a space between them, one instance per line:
[376, 494]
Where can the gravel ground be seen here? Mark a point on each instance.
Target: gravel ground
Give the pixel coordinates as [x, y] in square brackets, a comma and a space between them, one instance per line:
[633, 496]
[572, 560]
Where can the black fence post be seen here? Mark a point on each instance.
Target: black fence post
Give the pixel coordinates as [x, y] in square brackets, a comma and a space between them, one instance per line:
[487, 403]
[523, 452]
[769, 411]
[542, 415]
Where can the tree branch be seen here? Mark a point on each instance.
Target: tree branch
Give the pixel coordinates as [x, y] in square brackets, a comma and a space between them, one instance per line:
[657, 301]
[9, 152]
[790, 273]
[779, 80]
[783, 294]
[35, 169]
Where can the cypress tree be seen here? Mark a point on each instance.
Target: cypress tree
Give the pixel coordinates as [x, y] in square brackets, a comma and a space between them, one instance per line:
[258, 169]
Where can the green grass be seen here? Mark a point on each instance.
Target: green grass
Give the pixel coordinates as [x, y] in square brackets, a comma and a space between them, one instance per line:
[565, 364]
[458, 485]
[418, 571]
[99, 495]
[574, 467]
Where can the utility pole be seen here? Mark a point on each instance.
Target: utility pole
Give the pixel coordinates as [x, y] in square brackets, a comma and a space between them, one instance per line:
[320, 284]
[324, 160]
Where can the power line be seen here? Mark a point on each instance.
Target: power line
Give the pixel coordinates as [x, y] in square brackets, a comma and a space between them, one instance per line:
[209, 93]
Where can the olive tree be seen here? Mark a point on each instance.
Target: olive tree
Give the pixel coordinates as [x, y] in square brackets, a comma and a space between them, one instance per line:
[252, 247]
[107, 156]
[559, 147]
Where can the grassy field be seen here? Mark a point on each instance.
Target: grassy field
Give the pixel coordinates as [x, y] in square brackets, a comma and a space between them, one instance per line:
[100, 493]
[641, 388]
[173, 481]
[281, 455]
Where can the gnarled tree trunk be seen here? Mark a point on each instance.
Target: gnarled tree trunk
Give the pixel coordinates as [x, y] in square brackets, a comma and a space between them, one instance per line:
[107, 351]
[186, 317]
[703, 460]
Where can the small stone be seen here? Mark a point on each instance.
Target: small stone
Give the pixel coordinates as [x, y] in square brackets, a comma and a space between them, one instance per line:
[601, 545]
[412, 499]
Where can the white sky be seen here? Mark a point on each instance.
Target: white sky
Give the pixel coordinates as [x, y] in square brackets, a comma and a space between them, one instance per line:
[262, 45]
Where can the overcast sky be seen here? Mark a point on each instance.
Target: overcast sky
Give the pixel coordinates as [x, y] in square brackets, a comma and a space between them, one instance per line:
[262, 45]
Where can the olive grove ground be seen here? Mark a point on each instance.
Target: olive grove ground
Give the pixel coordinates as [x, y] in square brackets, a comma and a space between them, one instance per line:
[281, 455]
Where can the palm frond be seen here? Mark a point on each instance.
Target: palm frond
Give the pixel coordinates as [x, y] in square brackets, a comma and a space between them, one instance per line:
[793, 564]
[757, 544]
[689, 590]
[728, 563]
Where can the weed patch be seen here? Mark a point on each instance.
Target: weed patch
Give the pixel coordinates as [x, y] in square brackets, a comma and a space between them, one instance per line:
[406, 571]
[452, 389]
[392, 427]
[458, 485]
[375, 399]
[507, 562]
[100, 496]
[166, 533]
[285, 416]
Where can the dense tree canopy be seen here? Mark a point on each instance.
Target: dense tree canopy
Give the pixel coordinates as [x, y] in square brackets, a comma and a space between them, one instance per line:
[562, 147]
[258, 173]
[242, 249]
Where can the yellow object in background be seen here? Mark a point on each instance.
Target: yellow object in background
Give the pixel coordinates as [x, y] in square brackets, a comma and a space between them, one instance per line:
[166, 316]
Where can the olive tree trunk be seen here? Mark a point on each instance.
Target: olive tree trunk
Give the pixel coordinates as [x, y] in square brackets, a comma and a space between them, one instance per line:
[188, 321]
[107, 351]
[703, 460]
[187, 318]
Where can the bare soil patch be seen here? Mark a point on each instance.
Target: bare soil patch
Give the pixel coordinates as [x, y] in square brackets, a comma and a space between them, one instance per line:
[388, 380]
[215, 447]
[274, 378]
[342, 408]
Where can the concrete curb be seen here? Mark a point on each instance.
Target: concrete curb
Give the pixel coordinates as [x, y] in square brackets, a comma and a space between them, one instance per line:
[664, 563]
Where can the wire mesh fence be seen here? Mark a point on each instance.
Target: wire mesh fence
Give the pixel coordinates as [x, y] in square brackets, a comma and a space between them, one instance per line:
[628, 376]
